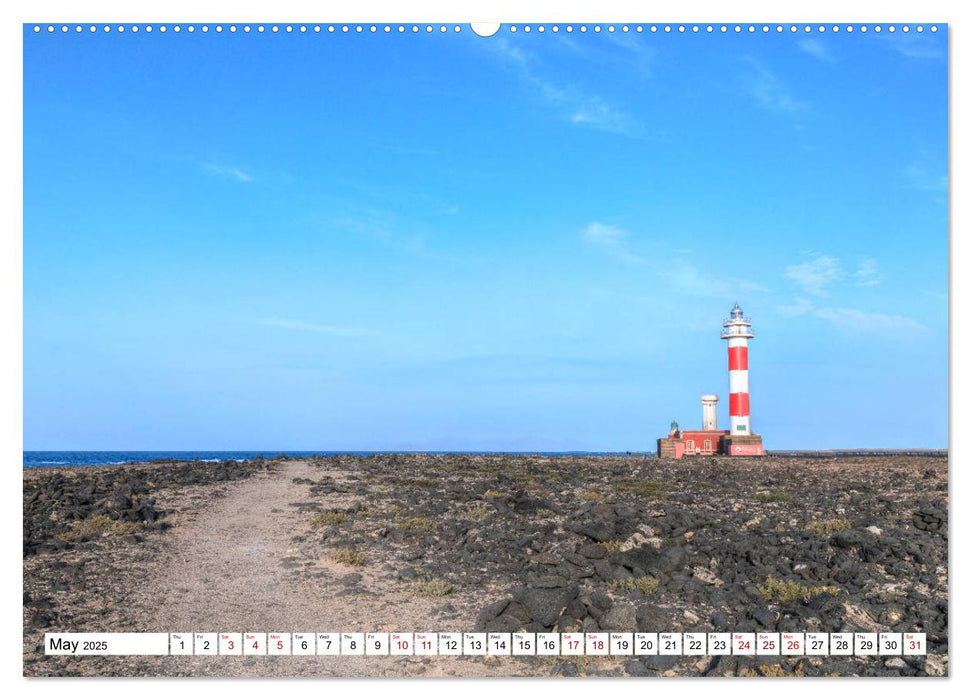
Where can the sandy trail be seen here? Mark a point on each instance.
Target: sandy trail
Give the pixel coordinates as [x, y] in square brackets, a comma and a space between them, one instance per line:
[224, 572]
[225, 568]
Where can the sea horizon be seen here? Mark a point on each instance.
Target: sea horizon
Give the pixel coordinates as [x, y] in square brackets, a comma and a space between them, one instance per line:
[79, 458]
[82, 458]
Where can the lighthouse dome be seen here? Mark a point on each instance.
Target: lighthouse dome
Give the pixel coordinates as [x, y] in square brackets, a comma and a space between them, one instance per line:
[736, 311]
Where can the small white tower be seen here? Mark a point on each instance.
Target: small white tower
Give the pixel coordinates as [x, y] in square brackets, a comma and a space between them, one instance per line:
[709, 415]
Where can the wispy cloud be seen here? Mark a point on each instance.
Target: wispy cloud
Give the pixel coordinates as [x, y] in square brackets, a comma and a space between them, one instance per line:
[866, 274]
[865, 321]
[597, 114]
[853, 319]
[921, 179]
[636, 44]
[612, 240]
[637, 54]
[392, 229]
[297, 325]
[816, 275]
[504, 47]
[227, 172]
[685, 278]
[770, 92]
[912, 45]
[817, 49]
[369, 223]
[681, 276]
[801, 307]
[577, 106]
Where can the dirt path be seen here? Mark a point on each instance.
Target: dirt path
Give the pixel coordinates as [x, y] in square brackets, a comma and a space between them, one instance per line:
[227, 568]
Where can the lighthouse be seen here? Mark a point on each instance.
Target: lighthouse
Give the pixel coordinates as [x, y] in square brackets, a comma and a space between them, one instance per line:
[737, 331]
[738, 440]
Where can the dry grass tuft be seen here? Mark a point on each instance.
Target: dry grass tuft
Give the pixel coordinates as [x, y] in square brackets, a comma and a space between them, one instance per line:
[98, 526]
[478, 513]
[828, 527]
[349, 557]
[651, 489]
[784, 591]
[436, 588]
[415, 524]
[773, 496]
[643, 584]
[774, 671]
[612, 546]
[328, 519]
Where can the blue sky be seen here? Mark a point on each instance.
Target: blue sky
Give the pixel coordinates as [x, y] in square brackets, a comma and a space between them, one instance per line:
[525, 242]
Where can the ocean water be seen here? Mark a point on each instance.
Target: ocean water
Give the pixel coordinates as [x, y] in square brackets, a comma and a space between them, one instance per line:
[74, 459]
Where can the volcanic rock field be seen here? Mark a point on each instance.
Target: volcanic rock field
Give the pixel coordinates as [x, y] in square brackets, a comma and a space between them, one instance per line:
[518, 542]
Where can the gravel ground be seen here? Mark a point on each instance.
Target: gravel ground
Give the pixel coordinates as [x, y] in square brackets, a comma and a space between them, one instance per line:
[489, 543]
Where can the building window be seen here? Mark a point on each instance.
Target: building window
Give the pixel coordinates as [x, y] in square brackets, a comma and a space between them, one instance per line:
[708, 446]
[689, 445]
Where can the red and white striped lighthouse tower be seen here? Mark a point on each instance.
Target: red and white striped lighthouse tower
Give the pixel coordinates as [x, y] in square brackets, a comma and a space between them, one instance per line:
[737, 331]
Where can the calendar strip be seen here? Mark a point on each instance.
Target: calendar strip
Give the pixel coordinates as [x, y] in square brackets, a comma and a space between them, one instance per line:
[486, 644]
